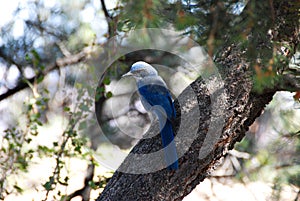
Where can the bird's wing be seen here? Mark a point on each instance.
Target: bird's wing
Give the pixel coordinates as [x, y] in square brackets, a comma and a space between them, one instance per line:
[158, 95]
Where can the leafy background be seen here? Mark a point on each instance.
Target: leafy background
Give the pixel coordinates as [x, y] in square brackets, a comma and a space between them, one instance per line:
[49, 133]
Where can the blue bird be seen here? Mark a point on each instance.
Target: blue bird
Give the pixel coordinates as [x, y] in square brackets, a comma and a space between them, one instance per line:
[156, 98]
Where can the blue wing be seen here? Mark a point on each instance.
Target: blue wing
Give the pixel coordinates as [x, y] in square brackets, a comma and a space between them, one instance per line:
[158, 95]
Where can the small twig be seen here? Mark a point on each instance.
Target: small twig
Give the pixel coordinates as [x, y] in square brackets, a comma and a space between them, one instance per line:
[84, 192]
[106, 14]
[291, 135]
[109, 19]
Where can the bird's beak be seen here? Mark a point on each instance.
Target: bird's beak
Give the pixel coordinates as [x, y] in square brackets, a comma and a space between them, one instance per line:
[127, 74]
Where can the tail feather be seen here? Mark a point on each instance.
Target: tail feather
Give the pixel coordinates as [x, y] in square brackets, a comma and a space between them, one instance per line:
[167, 136]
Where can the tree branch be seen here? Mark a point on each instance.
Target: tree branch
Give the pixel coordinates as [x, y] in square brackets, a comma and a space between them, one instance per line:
[109, 19]
[84, 192]
[242, 109]
[239, 107]
[61, 62]
[106, 14]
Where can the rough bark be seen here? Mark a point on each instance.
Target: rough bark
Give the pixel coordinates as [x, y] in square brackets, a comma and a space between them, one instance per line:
[242, 109]
[239, 105]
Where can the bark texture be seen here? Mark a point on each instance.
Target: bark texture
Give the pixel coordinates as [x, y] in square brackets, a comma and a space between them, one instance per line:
[200, 107]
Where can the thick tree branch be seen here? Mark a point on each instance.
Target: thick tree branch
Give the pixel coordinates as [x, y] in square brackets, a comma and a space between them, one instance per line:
[242, 109]
[239, 107]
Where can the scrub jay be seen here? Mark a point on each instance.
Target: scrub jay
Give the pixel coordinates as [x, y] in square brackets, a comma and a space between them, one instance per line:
[156, 98]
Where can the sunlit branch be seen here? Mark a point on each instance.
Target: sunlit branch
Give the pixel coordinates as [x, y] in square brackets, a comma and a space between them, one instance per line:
[59, 63]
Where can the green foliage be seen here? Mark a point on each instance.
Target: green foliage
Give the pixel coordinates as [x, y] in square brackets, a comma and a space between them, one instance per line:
[16, 152]
[278, 161]
[106, 81]
[264, 79]
[108, 94]
[17, 149]
[184, 21]
[101, 91]
[146, 14]
[71, 145]
[212, 24]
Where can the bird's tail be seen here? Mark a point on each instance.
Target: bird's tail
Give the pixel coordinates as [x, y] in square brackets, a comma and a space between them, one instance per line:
[167, 136]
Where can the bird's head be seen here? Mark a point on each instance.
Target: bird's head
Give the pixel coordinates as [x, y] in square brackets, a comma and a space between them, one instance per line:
[140, 70]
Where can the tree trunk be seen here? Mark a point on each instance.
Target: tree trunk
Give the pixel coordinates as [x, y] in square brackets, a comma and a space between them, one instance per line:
[211, 118]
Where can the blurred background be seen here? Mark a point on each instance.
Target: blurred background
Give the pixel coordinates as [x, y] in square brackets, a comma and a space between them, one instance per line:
[52, 147]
